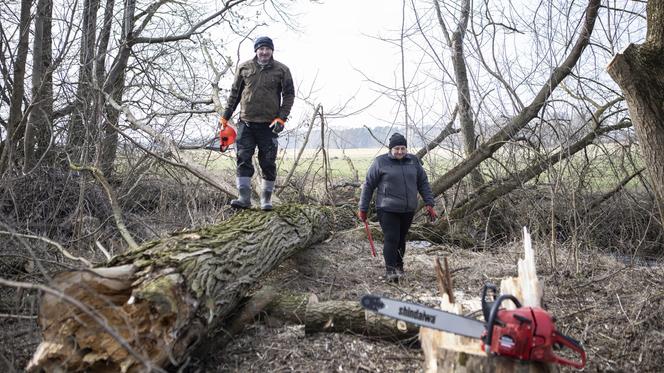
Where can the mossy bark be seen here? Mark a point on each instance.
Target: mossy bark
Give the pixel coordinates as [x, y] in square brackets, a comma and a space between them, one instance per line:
[639, 71]
[350, 317]
[159, 300]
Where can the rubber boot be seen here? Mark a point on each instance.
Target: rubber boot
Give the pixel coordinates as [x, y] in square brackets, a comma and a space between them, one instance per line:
[266, 195]
[391, 275]
[400, 272]
[244, 187]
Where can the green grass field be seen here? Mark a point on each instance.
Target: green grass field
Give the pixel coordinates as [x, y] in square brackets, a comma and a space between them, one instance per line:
[601, 173]
[340, 161]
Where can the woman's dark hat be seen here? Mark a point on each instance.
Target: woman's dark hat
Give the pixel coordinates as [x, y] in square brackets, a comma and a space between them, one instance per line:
[397, 139]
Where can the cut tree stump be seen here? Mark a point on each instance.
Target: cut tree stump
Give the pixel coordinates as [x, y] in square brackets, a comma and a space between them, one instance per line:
[151, 306]
[446, 352]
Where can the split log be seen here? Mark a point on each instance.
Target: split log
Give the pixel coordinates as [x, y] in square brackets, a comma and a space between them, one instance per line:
[446, 352]
[152, 306]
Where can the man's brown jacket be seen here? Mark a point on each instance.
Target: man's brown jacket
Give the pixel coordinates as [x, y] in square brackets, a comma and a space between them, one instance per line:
[264, 92]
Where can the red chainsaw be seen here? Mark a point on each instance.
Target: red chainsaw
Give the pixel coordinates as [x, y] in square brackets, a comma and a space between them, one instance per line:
[227, 136]
[525, 333]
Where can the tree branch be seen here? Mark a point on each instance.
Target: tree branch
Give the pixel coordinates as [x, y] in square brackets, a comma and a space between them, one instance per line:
[115, 207]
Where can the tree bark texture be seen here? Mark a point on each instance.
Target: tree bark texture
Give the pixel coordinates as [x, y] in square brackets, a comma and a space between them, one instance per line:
[278, 307]
[114, 86]
[158, 301]
[110, 139]
[349, 316]
[639, 71]
[336, 316]
[82, 127]
[38, 128]
[14, 134]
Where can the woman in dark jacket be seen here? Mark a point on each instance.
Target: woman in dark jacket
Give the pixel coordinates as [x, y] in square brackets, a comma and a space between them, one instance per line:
[397, 178]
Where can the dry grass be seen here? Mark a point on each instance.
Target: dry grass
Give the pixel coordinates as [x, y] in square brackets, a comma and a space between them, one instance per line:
[612, 308]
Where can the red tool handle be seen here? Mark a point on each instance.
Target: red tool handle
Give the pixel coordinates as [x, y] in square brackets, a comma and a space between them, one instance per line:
[371, 243]
[571, 344]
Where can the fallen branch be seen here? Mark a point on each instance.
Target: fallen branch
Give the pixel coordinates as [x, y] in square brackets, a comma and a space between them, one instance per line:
[115, 207]
[62, 250]
[184, 160]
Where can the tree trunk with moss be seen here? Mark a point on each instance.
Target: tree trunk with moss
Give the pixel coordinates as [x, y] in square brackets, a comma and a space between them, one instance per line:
[639, 71]
[335, 316]
[151, 306]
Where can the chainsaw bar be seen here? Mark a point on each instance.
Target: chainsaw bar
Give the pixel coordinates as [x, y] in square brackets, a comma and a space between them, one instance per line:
[424, 316]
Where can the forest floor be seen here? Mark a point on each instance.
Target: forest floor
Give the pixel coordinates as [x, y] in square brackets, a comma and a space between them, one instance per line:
[614, 308]
[613, 305]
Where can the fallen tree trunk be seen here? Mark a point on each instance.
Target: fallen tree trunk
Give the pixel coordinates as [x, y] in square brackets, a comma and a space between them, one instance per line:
[336, 316]
[158, 301]
[350, 317]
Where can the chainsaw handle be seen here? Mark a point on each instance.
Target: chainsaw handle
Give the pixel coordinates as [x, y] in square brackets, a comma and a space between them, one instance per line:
[486, 305]
[571, 344]
[493, 317]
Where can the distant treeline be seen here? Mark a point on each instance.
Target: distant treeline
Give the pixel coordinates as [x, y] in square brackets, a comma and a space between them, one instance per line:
[350, 138]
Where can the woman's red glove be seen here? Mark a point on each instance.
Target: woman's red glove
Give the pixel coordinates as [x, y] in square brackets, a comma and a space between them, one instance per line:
[432, 214]
[362, 215]
[224, 122]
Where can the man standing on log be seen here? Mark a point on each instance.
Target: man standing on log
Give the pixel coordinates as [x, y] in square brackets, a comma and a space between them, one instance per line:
[264, 88]
[398, 177]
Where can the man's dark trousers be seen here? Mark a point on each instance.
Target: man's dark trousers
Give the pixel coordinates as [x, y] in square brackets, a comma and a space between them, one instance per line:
[250, 135]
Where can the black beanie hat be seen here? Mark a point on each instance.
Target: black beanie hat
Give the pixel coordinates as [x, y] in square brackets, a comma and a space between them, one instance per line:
[263, 41]
[397, 139]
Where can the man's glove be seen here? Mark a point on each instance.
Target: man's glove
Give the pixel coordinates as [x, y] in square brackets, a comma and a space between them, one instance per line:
[224, 122]
[362, 215]
[277, 125]
[432, 214]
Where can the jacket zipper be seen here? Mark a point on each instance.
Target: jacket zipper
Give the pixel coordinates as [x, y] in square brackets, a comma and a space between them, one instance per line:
[405, 184]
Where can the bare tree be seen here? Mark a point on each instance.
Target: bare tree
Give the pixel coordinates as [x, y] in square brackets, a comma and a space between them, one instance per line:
[456, 44]
[39, 131]
[17, 118]
[522, 118]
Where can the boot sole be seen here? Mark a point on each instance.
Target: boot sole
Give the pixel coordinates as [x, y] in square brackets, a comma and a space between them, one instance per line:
[240, 206]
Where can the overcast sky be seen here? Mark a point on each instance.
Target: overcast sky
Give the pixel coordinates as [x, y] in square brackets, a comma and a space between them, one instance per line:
[339, 37]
